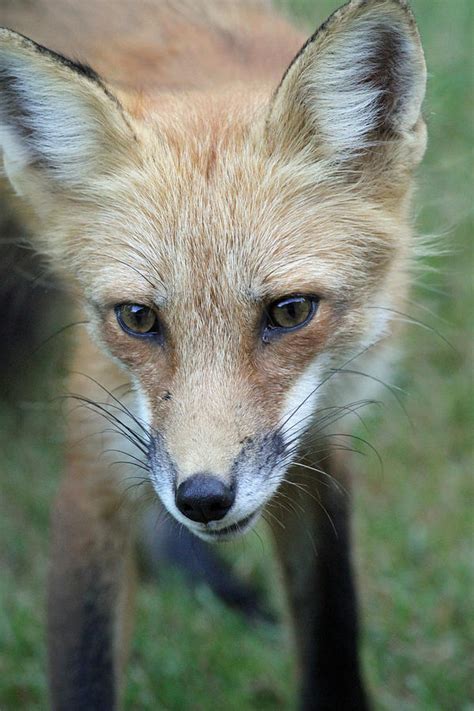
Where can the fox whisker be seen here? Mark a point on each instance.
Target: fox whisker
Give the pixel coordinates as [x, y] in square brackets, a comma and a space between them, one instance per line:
[406, 318]
[323, 382]
[54, 335]
[126, 454]
[119, 403]
[101, 409]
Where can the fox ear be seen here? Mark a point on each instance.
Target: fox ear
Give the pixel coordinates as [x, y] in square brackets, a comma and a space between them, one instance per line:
[59, 125]
[357, 84]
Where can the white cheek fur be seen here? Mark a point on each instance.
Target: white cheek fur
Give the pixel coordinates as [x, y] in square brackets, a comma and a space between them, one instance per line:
[301, 400]
[143, 406]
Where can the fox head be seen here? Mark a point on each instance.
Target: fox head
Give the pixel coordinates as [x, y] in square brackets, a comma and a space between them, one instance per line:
[230, 248]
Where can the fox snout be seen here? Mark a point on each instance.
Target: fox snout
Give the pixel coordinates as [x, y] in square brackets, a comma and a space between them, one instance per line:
[220, 505]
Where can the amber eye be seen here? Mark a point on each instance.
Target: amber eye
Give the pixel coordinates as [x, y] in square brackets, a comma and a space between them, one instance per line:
[290, 313]
[137, 319]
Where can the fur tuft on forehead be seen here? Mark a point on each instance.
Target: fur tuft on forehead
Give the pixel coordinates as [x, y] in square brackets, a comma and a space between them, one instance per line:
[255, 225]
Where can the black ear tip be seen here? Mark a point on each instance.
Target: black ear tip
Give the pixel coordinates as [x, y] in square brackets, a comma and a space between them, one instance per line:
[81, 68]
[8, 35]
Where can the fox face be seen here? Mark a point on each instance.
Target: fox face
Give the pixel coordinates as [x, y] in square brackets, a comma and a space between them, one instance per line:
[231, 306]
[232, 250]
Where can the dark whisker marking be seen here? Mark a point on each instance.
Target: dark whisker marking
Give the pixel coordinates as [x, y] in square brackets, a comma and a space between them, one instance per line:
[120, 404]
[126, 432]
[326, 451]
[310, 448]
[93, 406]
[353, 409]
[120, 409]
[111, 430]
[308, 471]
[103, 408]
[133, 437]
[111, 419]
[126, 491]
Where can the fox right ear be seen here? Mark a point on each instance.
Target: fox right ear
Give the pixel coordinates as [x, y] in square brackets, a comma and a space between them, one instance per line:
[358, 83]
[59, 125]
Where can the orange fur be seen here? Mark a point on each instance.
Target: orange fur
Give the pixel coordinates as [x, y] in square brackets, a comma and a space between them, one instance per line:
[192, 183]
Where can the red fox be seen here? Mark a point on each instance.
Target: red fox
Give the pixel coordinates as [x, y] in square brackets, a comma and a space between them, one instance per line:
[230, 207]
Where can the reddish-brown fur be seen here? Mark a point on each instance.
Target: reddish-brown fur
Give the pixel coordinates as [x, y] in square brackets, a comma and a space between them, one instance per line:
[195, 183]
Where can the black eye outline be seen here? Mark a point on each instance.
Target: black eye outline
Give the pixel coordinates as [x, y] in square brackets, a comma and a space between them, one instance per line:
[271, 330]
[154, 333]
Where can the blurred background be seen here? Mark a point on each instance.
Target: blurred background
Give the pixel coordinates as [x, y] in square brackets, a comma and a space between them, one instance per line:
[414, 521]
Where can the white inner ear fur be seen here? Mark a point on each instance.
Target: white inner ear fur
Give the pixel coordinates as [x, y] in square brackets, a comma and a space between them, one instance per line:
[49, 117]
[55, 124]
[365, 70]
[345, 101]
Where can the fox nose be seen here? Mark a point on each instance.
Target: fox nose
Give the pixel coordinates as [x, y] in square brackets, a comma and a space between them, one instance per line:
[204, 498]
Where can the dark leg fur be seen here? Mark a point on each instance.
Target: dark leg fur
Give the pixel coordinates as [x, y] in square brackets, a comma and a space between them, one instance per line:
[314, 549]
[88, 592]
[86, 679]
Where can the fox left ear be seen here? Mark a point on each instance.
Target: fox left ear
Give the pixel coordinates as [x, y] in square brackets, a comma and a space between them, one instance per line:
[60, 127]
[355, 89]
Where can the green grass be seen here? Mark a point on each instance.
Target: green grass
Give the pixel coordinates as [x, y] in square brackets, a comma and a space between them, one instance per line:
[414, 522]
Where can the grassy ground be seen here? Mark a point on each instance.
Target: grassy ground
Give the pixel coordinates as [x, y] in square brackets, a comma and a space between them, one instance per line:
[414, 523]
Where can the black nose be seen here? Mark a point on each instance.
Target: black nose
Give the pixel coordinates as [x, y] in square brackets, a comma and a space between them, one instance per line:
[204, 498]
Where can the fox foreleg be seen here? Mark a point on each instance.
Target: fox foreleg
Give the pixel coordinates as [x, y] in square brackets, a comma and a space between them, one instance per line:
[90, 594]
[313, 542]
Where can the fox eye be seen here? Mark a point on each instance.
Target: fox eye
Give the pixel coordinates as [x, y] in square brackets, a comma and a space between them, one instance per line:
[290, 313]
[138, 320]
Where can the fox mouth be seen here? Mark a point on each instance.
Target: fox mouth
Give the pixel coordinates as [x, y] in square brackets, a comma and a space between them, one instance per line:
[228, 532]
